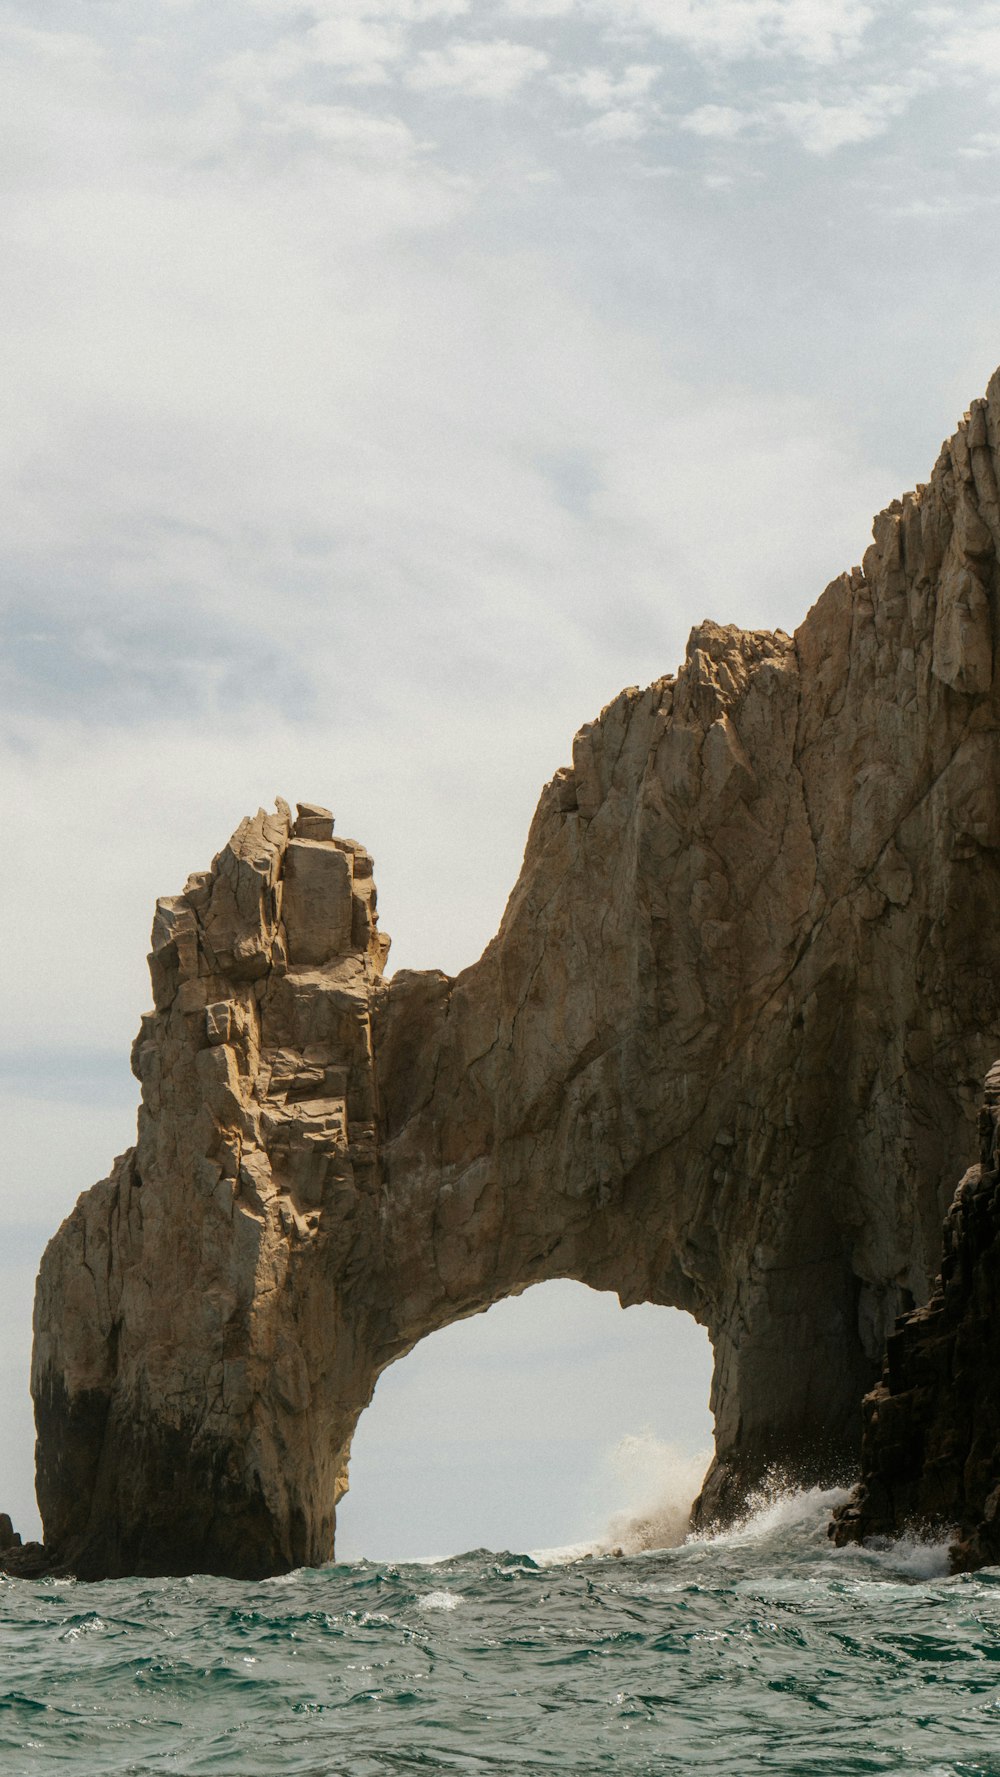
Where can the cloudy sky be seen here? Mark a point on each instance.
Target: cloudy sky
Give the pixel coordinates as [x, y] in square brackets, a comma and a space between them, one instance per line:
[386, 383]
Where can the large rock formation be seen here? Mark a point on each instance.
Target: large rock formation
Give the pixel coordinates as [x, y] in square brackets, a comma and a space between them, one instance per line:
[721, 1054]
[930, 1455]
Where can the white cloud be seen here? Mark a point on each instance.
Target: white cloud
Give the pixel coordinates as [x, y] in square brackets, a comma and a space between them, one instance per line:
[620, 124]
[622, 99]
[284, 511]
[967, 40]
[406, 12]
[253, 73]
[721, 123]
[489, 70]
[951, 207]
[539, 9]
[983, 145]
[820, 31]
[820, 126]
[73, 50]
[353, 132]
[358, 50]
[823, 128]
[601, 89]
[363, 48]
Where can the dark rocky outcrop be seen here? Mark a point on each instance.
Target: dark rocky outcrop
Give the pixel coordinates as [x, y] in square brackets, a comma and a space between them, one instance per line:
[20, 1560]
[720, 1055]
[930, 1456]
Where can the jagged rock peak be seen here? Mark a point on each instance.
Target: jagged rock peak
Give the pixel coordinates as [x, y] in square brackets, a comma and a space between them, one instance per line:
[720, 1055]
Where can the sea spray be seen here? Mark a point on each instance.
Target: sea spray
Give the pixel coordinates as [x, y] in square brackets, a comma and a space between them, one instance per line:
[775, 1509]
[658, 1486]
[654, 1484]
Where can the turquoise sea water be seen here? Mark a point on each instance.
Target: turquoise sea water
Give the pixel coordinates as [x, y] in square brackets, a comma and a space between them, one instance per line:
[761, 1651]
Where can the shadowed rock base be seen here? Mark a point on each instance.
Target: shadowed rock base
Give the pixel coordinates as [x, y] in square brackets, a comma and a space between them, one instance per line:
[720, 1056]
[171, 1504]
[20, 1560]
[930, 1456]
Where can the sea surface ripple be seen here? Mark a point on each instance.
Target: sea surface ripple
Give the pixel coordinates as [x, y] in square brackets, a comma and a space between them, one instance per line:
[761, 1651]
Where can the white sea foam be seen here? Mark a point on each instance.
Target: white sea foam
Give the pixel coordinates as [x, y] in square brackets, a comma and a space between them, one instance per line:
[565, 1552]
[789, 1516]
[91, 1624]
[441, 1601]
[923, 1560]
[917, 1558]
[775, 1509]
[779, 1512]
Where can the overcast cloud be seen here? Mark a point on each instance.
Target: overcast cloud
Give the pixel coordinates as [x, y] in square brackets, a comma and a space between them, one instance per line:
[387, 384]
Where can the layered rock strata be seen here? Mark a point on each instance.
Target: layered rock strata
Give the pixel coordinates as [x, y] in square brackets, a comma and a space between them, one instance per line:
[930, 1454]
[720, 1055]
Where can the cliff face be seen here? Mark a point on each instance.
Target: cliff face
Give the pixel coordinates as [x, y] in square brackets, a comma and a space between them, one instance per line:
[720, 1055]
[930, 1456]
[193, 1368]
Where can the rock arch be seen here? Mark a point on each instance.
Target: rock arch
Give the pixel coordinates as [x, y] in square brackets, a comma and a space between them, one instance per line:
[556, 1418]
[721, 1055]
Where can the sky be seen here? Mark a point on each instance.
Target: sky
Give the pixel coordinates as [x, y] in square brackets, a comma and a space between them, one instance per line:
[386, 383]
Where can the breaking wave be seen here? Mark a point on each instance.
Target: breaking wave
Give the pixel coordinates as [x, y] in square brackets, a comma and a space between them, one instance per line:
[659, 1485]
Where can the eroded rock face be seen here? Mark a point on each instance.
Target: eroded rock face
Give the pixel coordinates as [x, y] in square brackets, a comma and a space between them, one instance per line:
[720, 1055]
[192, 1362]
[930, 1456]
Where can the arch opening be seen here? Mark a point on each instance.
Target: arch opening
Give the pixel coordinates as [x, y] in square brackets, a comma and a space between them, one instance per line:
[556, 1419]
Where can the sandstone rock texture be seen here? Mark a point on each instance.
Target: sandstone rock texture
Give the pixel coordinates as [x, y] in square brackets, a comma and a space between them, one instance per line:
[930, 1454]
[721, 1054]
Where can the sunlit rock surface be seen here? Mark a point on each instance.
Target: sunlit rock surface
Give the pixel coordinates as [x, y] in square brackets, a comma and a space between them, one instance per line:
[722, 1054]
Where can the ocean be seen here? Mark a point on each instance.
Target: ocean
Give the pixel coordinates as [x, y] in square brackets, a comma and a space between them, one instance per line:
[763, 1650]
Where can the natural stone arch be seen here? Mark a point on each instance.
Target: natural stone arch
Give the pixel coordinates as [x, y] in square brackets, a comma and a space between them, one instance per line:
[721, 1055]
[554, 1419]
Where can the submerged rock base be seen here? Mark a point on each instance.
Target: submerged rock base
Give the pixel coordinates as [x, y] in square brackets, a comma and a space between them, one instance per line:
[931, 1444]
